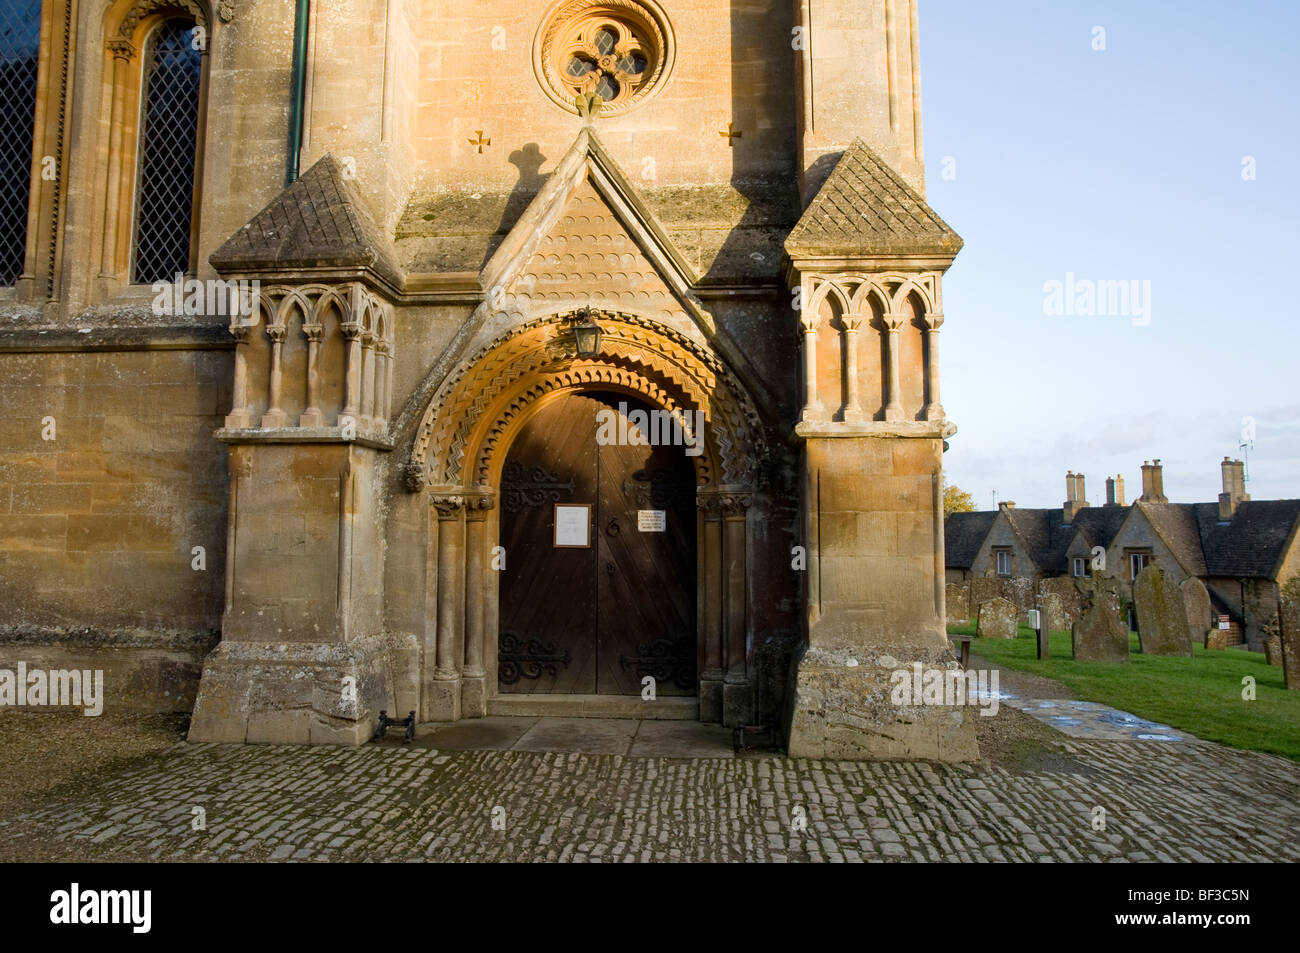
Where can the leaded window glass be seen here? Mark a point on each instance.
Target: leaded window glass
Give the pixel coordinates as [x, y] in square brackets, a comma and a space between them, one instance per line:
[20, 37]
[169, 122]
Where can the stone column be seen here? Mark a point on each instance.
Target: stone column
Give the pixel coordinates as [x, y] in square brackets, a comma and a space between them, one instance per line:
[473, 686]
[383, 380]
[894, 407]
[274, 416]
[737, 694]
[812, 407]
[367, 381]
[711, 708]
[123, 52]
[351, 372]
[852, 395]
[311, 415]
[238, 418]
[443, 694]
[933, 408]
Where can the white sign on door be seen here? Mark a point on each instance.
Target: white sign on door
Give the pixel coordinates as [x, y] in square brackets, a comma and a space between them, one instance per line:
[651, 521]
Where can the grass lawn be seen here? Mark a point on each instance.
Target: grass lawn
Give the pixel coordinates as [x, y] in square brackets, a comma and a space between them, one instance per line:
[1201, 695]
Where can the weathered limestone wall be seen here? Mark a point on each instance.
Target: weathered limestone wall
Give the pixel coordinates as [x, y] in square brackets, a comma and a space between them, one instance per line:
[733, 64]
[875, 602]
[859, 76]
[98, 525]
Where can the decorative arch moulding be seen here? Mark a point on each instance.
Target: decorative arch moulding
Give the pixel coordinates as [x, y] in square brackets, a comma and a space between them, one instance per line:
[479, 403]
[141, 10]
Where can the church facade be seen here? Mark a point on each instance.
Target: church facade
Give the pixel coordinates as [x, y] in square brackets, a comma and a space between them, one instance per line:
[465, 359]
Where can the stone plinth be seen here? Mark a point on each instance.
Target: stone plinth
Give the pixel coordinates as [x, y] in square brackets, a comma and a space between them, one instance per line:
[873, 514]
[293, 693]
[301, 658]
[844, 711]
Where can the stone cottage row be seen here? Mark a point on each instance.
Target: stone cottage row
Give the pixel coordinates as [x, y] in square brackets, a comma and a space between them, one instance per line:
[1241, 550]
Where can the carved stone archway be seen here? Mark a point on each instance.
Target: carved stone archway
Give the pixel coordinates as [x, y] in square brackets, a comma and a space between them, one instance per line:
[460, 448]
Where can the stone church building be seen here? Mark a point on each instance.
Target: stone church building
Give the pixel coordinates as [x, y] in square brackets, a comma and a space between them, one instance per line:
[314, 315]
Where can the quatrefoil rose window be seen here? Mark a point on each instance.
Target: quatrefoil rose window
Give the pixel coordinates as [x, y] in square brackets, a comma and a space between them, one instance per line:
[621, 51]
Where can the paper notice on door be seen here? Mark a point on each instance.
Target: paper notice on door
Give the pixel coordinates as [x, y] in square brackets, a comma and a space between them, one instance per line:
[572, 525]
[651, 521]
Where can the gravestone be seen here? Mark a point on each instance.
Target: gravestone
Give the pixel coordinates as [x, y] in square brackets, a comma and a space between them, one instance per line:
[983, 589]
[1289, 617]
[1273, 650]
[1020, 590]
[1216, 639]
[1049, 604]
[1161, 614]
[997, 619]
[1196, 603]
[958, 605]
[1100, 635]
[1071, 599]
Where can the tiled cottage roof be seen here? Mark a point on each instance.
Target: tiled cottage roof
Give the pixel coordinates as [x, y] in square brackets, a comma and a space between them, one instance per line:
[865, 208]
[963, 534]
[320, 221]
[1252, 544]
[1175, 523]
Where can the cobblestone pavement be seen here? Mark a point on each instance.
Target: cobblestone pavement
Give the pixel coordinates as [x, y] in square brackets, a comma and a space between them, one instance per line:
[1162, 802]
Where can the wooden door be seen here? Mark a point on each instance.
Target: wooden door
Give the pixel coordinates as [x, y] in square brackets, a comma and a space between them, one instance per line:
[596, 620]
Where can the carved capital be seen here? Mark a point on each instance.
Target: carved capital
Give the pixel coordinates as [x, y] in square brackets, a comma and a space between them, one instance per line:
[313, 332]
[807, 322]
[351, 330]
[934, 321]
[730, 505]
[893, 321]
[122, 49]
[853, 322]
[477, 505]
[240, 332]
[447, 505]
[275, 332]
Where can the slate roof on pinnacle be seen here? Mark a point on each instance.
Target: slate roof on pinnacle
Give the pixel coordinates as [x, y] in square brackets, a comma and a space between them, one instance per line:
[865, 208]
[320, 221]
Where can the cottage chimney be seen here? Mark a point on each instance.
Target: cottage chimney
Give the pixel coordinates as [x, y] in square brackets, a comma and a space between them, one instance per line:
[1153, 483]
[1075, 497]
[1006, 504]
[1115, 490]
[1234, 487]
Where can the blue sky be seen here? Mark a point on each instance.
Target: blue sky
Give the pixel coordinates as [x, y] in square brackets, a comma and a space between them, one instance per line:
[1120, 164]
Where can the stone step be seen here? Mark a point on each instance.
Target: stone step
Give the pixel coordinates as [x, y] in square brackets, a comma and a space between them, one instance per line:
[664, 708]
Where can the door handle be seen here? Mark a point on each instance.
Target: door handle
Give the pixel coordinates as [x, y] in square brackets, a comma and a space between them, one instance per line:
[612, 528]
[609, 568]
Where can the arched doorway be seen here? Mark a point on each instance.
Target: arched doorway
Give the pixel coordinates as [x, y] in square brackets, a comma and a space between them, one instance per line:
[598, 523]
[458, 460]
